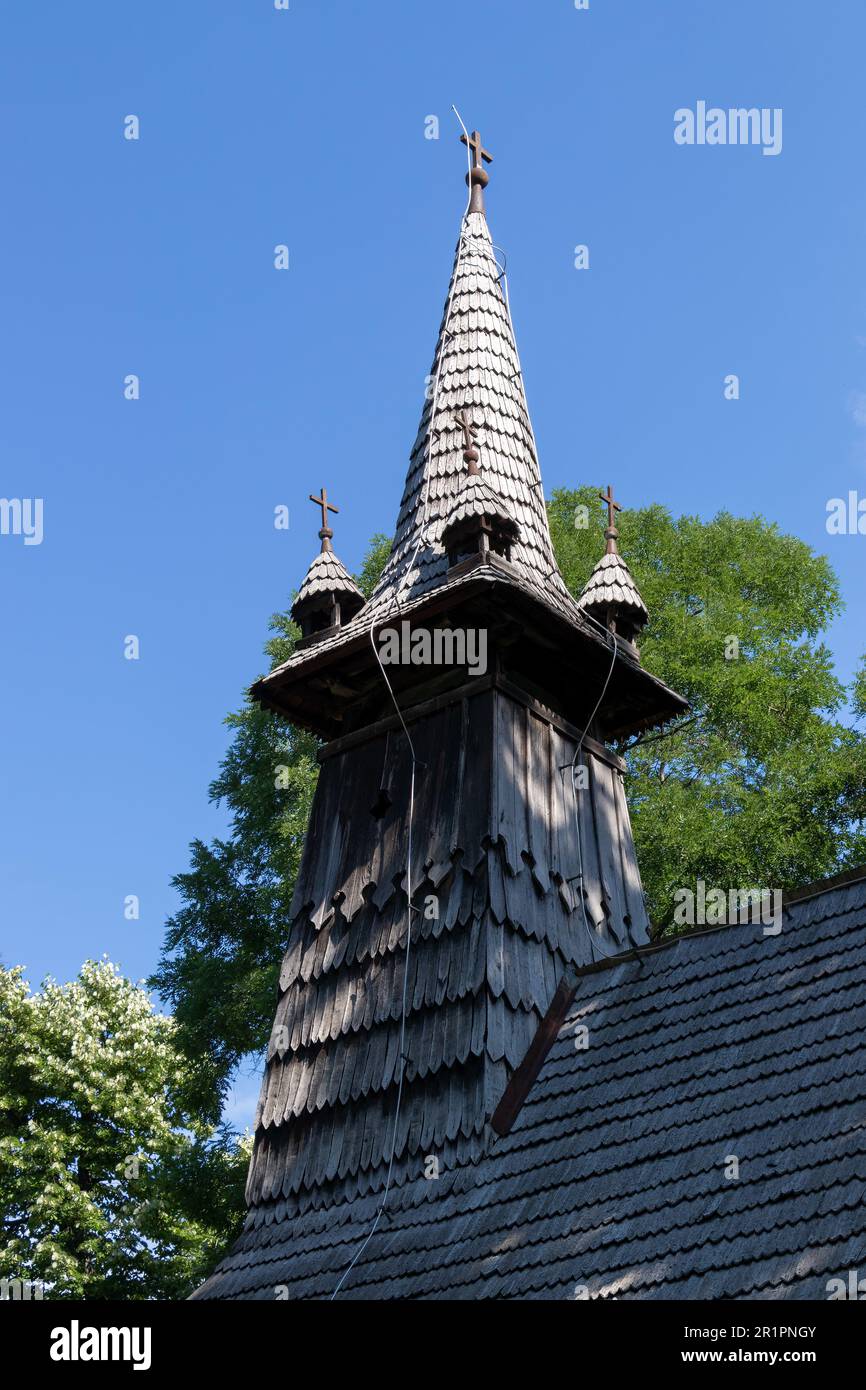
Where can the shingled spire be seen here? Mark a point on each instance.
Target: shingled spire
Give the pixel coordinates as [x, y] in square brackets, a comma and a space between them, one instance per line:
[522, 864]
[475, 369]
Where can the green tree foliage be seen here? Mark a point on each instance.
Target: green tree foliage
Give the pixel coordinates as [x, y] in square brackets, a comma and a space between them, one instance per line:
[765, 786]
[109, 1186]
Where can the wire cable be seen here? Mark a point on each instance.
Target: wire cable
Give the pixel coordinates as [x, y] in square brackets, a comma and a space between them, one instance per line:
[407, 571]
[404, 999]
[595, 944]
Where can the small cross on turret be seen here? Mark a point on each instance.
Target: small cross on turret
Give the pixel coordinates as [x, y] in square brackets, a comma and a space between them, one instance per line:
[325, 534]
[613, 507]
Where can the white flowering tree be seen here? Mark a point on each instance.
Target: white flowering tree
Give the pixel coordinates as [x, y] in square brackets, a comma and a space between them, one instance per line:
[109, 1187]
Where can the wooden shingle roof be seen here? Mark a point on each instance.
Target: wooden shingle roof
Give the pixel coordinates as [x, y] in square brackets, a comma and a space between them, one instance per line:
[327, 575]
[611, 585]
[475, 392]
[478, 370]
[477, 499]
[615, 1179]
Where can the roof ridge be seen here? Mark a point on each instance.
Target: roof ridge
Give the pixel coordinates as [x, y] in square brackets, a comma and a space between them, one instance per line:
[789, 896]
[814, 890]
[548, 1031]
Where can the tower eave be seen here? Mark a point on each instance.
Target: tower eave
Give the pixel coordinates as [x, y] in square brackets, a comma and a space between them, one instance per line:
[318, 686]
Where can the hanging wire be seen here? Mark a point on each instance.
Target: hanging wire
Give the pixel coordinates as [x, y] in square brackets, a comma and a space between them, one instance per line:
[414, 759]
[402, 1047]
[428, 455]
[503, 275]
[414, 764]
[594, 942]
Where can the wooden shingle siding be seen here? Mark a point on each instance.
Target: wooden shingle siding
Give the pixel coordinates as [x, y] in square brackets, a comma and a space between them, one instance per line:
[521, 874]
[491, 835]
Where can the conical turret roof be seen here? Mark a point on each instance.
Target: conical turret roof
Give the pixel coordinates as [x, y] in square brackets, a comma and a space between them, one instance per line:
[327, 575]
[477, 499]
[610, 593]
[611, 585]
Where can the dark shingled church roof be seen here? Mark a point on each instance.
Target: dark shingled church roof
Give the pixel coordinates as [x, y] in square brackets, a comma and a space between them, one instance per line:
[612, 1182]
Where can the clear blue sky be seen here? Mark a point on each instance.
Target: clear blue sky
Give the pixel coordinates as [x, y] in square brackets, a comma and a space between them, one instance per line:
[306, 127]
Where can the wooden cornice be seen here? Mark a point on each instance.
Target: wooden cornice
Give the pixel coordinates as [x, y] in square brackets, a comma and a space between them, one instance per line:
[475, 686]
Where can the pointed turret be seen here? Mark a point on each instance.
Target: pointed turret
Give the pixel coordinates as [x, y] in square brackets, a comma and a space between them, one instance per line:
[610, 595]
[469, 839]
[328, 597]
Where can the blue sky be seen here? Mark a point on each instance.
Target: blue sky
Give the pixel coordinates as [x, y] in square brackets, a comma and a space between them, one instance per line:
[306, 127]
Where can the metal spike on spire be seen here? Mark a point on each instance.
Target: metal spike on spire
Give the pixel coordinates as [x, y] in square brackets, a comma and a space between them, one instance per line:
[477, 178]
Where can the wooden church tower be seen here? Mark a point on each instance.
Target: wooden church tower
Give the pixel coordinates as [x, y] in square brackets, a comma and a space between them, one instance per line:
[495, 789]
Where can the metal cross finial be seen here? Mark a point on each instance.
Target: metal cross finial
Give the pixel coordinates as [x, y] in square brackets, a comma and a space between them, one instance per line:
[477, 177]
[470, 453]
[478, 150]
[611, 532]
[469, 429]
[325, 533]
[607, 498]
